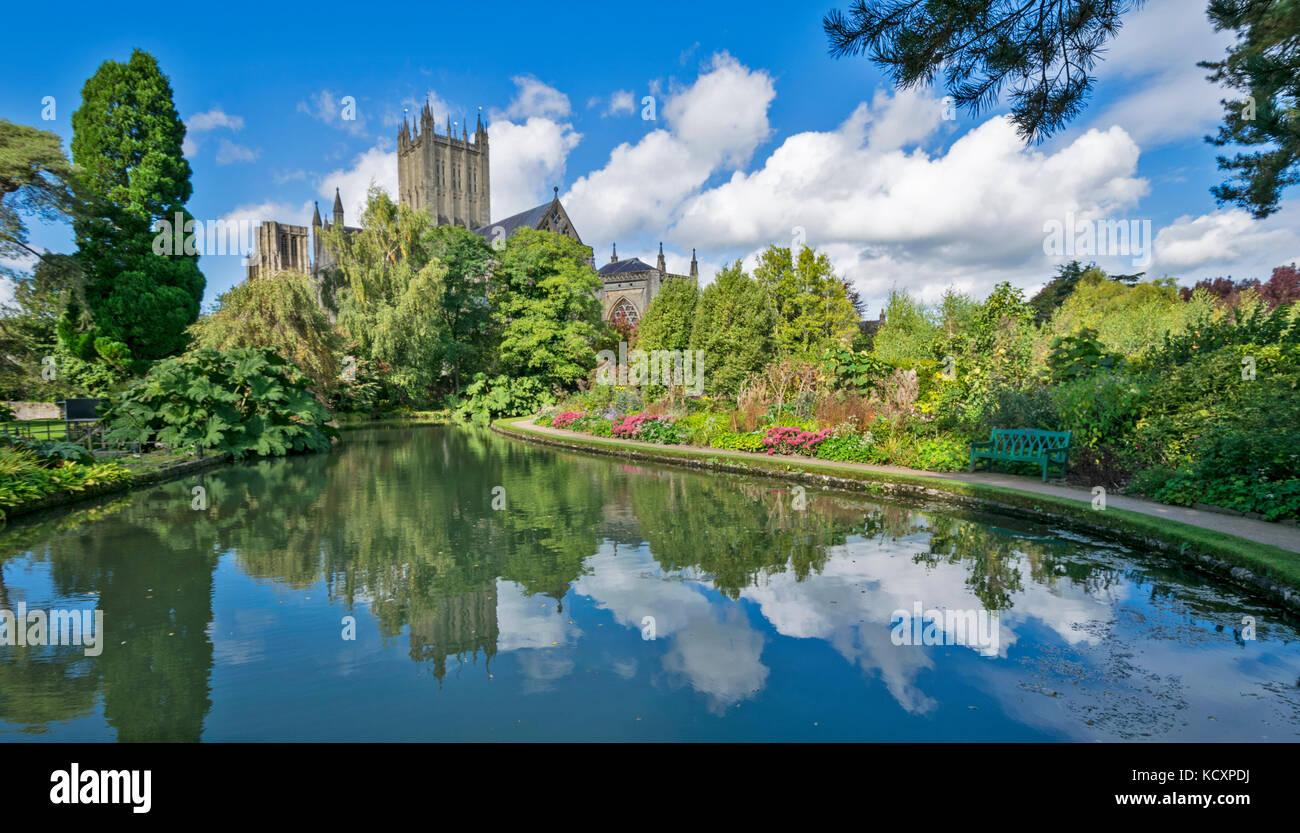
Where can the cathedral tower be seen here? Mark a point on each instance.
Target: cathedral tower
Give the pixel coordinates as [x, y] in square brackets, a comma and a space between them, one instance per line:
[444, 175]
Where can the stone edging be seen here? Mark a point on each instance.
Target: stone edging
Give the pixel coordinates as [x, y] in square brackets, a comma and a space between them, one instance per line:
[1251, 581]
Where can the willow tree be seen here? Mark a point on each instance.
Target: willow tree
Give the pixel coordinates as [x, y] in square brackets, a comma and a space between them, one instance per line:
[277, 311]
[393, 292]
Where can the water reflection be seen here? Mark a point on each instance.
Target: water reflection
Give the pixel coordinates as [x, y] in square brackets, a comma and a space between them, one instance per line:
[225, 622]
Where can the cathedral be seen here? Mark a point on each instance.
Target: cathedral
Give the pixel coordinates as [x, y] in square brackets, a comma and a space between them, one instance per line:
[450, 178]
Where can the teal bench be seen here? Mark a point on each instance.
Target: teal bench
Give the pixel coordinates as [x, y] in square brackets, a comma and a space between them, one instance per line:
[1024, 445]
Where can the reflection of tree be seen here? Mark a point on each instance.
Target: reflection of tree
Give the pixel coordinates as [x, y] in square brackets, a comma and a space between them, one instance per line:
[993, 559]
[736, 531]
[38, 687]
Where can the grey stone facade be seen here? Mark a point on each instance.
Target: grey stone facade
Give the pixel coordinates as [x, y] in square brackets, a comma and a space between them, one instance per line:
[630, 285]
[450, 178]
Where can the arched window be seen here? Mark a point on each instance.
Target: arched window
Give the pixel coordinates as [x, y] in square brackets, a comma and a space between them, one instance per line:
[623, 314]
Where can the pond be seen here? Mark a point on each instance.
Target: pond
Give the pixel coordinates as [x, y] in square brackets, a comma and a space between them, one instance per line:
[446, 583]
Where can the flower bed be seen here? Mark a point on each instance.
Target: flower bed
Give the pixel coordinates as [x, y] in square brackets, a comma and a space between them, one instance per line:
[565, 418]
[790, 439]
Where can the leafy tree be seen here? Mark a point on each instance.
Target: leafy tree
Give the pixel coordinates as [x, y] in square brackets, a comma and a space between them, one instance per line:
[908, 332]
[465, 335]
[1043, 49]
[1264, 64]
[243, 401]
[35, 180]
[813, 309]
[669, 318]
[545, 306]
[734, 324]
[394, 291]
[126, 145]
[277, 311]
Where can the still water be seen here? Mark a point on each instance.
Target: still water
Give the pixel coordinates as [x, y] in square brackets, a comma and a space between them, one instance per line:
[603, 600]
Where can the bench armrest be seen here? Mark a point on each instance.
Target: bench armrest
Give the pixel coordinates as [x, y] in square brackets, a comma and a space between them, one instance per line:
[978, 444]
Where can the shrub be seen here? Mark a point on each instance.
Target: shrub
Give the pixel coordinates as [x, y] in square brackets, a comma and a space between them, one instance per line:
[241, 402]
[942, 453]
[732, 441]
[789, 439]
[566, 418]
[701, 427]
[489, 397]
[647, 427]
[25, 478]
[1100, 409]
[852, 448]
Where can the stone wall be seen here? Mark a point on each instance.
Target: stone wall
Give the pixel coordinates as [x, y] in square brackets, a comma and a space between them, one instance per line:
[35, 410]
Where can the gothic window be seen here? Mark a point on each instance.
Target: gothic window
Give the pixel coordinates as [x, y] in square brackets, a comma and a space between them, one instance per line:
[623, 314]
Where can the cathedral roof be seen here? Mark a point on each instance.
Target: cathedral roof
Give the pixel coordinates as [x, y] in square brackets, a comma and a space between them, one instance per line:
[619, 267]
[524, 219]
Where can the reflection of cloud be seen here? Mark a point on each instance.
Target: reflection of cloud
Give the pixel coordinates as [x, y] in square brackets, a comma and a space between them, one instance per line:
[543, 638]
[850, 604]
[720, 658]
[711, 646]
[523, 622]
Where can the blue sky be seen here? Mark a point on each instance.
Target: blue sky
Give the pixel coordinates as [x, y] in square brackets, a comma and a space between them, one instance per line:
[758, 136]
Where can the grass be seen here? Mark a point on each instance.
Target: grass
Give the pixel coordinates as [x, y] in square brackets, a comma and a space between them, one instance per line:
[1263, 560]
[40, 429]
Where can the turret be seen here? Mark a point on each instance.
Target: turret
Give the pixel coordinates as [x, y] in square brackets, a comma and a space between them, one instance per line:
[695, 267]
[661, 266]
[315, 217]
[338, 208]
[613, 258]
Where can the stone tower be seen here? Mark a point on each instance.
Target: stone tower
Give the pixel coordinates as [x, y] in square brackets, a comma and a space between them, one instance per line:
[444, 175]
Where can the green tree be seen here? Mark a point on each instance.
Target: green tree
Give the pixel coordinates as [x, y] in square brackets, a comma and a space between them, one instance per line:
[545, 306]
[908, 333]
[394, 290]
[669, 318]
[35, 180]
[1264, 64]
[1043, 49]
[126, 145]
[813, 309]
[734, 325]
[277, 311]
[465, 312]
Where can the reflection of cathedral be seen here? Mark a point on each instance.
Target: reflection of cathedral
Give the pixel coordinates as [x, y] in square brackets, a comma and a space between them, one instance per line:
[457, 626]
[449, 176]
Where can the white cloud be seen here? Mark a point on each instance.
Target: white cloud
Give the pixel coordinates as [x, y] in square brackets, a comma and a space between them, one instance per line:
[1154, 57]
[620, 101]
[343, 111]
[1227, 240]
[967, 218]
[204, 122]
[228, 152]
[527, 159]
[534, 98]
[722, 117]
[377, 165]
[714, 124]
[212, 119]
